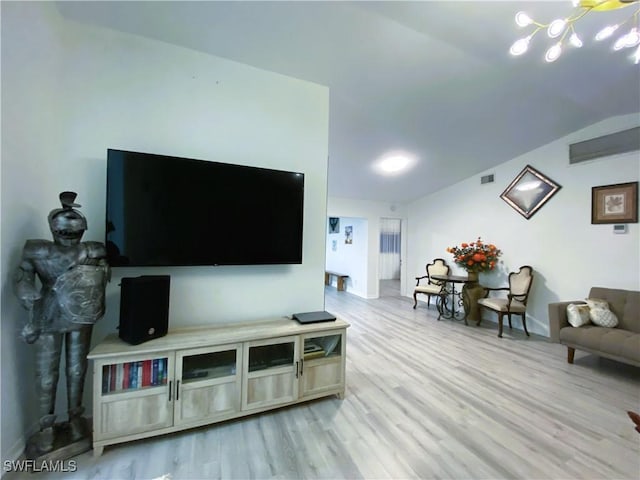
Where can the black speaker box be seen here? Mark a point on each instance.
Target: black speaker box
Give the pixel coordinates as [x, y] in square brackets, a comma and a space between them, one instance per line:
[144, 308]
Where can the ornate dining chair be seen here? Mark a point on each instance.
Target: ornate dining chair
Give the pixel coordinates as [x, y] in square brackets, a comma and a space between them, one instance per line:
[430, 287]
[516, 300]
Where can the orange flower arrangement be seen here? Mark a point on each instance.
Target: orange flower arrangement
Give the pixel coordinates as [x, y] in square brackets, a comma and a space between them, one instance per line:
[476, 256]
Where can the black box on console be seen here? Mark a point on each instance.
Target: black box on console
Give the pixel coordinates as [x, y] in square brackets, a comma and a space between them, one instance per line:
[144, 308]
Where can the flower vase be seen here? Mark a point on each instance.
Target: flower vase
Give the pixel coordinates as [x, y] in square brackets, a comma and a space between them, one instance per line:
[473, 276]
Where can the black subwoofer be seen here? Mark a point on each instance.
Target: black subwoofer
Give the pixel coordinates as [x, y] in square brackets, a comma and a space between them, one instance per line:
[144, 308]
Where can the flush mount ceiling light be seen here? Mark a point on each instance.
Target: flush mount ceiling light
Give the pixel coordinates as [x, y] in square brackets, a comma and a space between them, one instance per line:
[394, 163]
[562, 29]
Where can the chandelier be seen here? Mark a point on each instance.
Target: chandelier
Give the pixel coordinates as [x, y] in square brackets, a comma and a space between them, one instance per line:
[563, 29]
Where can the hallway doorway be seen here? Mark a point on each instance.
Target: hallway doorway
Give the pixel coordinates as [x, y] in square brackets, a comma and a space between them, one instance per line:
[390, 288]
[390, 257]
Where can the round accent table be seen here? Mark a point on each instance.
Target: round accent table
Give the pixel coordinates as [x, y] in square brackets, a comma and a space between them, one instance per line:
[468, 297]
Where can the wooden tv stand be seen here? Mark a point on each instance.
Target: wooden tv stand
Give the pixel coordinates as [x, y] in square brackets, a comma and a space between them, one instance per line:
[203, 375]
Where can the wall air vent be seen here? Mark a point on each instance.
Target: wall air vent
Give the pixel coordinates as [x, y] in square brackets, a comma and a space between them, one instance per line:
[486, 179]
[612, 144]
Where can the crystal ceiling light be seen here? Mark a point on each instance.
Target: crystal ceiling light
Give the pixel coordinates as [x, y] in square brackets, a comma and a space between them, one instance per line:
[564, 29]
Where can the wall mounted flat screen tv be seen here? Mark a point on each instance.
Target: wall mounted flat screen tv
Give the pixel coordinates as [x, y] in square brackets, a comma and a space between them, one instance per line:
[170, 211]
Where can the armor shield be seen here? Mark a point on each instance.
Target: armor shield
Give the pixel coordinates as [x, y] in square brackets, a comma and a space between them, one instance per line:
[81, 293]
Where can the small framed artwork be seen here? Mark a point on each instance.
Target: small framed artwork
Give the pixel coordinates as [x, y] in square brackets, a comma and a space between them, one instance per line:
[529, 191]
[616, 203]
[334, 225]
[348, 235]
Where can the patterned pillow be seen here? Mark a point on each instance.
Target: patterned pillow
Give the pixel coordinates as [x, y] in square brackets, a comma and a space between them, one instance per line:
[578, 315]
[597, 303]
[600, 314]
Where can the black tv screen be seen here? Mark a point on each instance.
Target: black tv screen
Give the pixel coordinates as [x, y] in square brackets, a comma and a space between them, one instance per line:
[171, 211]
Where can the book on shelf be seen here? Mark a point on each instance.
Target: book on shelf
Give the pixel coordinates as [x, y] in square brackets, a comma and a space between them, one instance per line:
[154, 372]
[310, 347]
[314, 354]
[133, 375]
[125, 376]
[161, 367]
[139, 375]
[105, 378]
[112, 378]
[146, 373]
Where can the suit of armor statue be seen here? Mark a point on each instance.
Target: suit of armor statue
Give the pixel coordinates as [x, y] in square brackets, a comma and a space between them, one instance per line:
[71, 298]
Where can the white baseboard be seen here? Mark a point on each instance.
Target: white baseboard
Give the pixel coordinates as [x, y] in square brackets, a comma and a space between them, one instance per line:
[16, 452]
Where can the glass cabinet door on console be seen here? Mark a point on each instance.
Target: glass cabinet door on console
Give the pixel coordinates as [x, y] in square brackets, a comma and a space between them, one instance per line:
[322, 362]
[135, 395]
[271, 372]
[208, 383]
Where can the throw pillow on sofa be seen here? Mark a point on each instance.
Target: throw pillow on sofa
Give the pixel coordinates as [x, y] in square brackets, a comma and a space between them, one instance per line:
[578, 315]
[597, 303]
[600, 314]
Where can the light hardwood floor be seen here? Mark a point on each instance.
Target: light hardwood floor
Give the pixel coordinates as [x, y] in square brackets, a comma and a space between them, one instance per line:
[425, 399]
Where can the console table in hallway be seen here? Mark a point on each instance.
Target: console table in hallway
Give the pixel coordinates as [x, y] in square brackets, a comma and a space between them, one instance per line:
[340, 278]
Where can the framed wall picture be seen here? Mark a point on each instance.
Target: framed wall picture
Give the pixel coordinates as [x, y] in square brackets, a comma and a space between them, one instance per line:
[334, 224]
[616, 203]
[529, 191]
[348, 235]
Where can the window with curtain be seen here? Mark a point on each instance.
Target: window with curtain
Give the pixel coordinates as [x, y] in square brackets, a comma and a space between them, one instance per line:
[389, 248]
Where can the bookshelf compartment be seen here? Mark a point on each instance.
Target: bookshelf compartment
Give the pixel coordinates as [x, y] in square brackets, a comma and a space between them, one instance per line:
[323, 367]
[134, 375]
[274, 355]
[321, 347]
[130, 397]
[208, 366]
[208, 384]
[272, 373]
[138, 412]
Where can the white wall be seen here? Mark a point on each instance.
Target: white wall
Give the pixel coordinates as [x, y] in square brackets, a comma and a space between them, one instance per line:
[569, 254]
[372, 212]
[70, 91]
[350, 259]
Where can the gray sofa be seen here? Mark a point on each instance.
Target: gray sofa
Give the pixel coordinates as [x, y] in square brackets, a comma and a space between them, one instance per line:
[621, 343]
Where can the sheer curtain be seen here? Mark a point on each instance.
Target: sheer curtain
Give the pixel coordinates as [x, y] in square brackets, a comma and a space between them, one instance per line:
[389, 248]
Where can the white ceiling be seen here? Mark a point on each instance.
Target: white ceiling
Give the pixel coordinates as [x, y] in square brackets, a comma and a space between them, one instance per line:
[433, 78]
